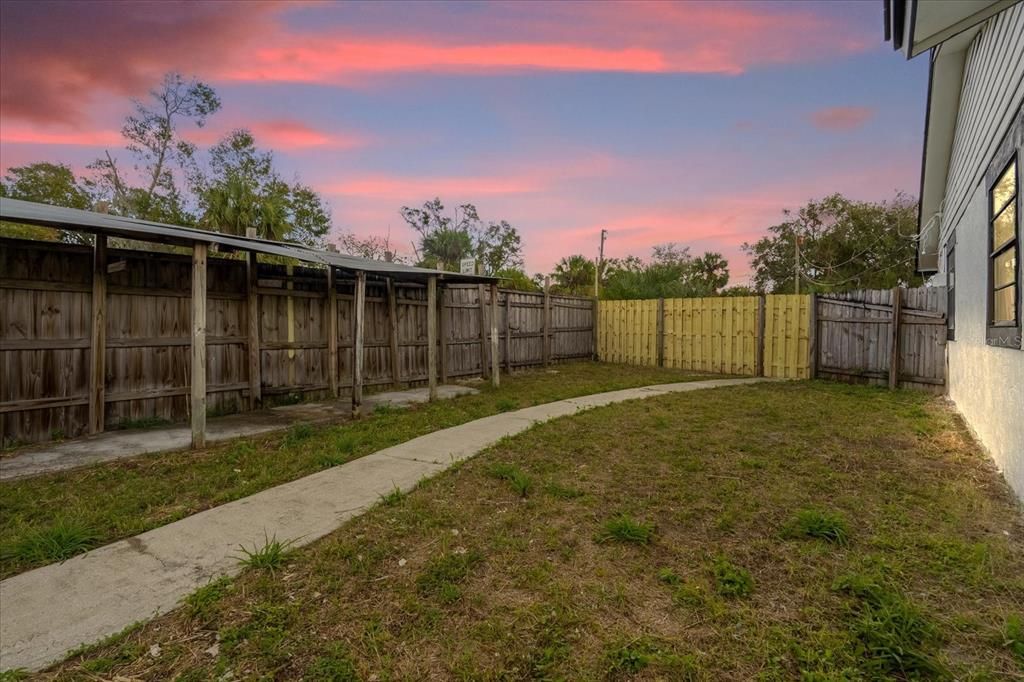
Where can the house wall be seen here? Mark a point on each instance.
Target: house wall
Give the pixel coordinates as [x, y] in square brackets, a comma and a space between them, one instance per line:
[986, 382]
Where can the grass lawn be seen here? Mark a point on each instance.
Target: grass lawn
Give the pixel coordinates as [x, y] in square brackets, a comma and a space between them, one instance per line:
[51, 518]
[775, 531]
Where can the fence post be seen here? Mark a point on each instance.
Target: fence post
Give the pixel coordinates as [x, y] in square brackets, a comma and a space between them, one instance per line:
[594, 318]
[894, 339]
[660, 333]
[482, 300]
[432, 337]
[812, 341]
[759, 358]
[98, 350]
[495, 355]
[508, 332]
[546, 346]
[332, 331]
[443, 326]
[358, 324]
[396, 366]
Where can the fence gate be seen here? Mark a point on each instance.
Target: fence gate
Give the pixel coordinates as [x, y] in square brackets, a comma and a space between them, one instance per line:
[895, 337]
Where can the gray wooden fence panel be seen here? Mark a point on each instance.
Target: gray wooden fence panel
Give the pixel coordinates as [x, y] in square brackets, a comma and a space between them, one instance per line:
[45, 318]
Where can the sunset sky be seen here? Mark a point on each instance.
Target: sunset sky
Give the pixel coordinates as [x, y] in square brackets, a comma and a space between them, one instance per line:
[690, 122]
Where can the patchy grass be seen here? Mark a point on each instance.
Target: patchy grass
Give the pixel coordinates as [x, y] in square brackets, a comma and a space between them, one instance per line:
[124, 498]
[465, 580]
[731, 580]
[517, 479]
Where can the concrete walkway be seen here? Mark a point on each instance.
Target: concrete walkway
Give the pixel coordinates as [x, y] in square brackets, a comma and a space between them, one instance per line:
[51, 610]
[111, 445]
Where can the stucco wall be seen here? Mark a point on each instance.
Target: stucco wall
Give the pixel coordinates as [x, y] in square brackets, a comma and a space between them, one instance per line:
[985, 382]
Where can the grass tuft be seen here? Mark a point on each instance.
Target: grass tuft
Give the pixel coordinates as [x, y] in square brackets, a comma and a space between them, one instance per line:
[298, 433]
[506, 405]
[731, 580]
[392, 498]
[201, 605]
[562, 492]
[669, 577]
[1013, 635]
[624, 528]
[269, 557]
[519, 481]
[334, 666]
[895, 638]
[814, 523]
[61, 540]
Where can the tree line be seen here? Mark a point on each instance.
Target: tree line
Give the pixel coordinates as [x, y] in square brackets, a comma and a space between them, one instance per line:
[831, 244]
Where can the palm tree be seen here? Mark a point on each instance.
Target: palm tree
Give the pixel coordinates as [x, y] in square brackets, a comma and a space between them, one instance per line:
[446, 246]
[712, 271]
[574, 275]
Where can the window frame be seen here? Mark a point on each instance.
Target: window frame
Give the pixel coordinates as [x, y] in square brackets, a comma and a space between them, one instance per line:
[1009, 153]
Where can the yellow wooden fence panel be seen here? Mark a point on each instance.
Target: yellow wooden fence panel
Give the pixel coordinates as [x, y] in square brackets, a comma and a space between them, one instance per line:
[715, 334]
[787, 336]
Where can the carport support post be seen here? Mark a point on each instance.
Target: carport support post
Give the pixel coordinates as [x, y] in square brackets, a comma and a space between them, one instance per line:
[199, 345]
[432, 336]
[253, 301]
[332, 331]
[97, 369]
[495, 355]
[358, 322]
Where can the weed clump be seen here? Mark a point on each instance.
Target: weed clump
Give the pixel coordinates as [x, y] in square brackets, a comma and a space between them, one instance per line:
[269, 557]
[297, 433]
[895, 638]
[814, 523]
[731, 580]
[202, 604]
[624, 528]
[519, 481]
[61, 540]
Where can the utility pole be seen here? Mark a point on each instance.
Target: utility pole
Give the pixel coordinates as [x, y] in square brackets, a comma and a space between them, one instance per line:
[796, 264]
[597, 270]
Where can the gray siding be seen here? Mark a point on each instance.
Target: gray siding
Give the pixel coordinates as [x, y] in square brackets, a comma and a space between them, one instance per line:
[993, 90]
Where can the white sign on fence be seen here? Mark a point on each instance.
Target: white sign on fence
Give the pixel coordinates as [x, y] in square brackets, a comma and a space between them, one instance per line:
[467, 266]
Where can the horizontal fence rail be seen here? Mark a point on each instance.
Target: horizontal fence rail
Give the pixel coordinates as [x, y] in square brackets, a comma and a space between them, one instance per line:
[855, 336]
[46, 336]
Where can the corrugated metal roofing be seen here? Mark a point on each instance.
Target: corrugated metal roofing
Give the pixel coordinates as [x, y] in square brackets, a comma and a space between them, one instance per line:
[16, 210]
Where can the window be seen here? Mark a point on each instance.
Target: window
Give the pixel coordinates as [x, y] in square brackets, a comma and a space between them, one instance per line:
[951, 288]
[1004, 232]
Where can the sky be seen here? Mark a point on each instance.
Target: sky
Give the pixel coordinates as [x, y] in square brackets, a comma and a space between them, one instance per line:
[689, 122]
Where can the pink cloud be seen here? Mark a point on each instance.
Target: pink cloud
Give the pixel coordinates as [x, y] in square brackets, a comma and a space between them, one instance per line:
[23, 134]
[842, 119]
[282, 134]
[413, 189]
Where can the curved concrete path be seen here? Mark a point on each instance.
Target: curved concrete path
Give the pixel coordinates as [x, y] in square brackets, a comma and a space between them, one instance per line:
[49, 611]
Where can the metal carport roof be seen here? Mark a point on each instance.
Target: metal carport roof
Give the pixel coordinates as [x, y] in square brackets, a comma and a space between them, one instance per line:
[28, 212]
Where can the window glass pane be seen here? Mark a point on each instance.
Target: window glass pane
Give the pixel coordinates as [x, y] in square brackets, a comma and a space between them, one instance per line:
[1004, 270]
[1004, 226]
[1004, 188]
[1005, 304]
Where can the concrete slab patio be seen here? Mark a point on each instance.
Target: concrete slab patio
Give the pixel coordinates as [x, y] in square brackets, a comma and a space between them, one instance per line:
[51, 610]
[105, 447]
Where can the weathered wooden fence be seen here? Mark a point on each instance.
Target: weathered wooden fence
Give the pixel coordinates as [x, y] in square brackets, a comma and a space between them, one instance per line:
[852, 336]
[894, 337]
[46, 313]
[766, 336]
